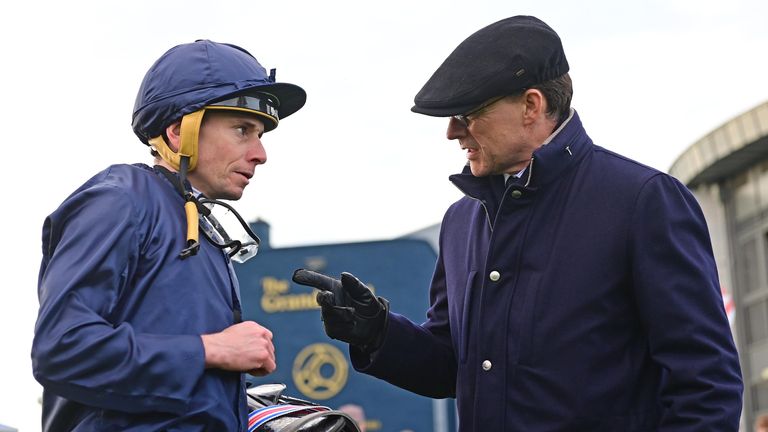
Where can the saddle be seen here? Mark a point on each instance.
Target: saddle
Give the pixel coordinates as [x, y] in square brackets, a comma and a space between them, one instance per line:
[272, 411]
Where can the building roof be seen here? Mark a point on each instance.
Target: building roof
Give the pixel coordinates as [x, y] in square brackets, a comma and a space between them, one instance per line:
[730, 148]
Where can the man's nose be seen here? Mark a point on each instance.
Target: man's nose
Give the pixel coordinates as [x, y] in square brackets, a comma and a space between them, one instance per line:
[257, 152]
[456, 129]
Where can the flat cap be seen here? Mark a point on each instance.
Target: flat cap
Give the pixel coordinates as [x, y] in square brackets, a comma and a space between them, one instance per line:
[500, 59]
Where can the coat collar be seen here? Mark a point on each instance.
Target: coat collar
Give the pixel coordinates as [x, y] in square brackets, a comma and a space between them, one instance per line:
[567, 145]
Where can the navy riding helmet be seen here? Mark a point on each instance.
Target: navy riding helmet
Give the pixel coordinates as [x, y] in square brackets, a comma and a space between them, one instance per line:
[191, 78]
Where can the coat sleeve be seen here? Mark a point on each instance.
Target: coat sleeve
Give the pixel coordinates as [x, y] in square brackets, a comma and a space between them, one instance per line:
[90, 250]
[679, 299]
[417, 358]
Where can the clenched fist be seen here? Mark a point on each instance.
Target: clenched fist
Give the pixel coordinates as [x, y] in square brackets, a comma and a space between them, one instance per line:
[243, 347]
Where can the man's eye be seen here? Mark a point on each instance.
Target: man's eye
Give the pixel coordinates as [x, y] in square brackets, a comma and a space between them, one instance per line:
[242, 130]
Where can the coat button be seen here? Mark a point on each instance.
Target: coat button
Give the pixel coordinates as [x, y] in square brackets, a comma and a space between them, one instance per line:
[487, 365]
[516, 193]
[494, 275]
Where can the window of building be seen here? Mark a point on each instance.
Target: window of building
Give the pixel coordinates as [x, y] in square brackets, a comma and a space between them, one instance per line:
[756, 316]
[745, 198]
[760, 397]
[762, 185]
[747, 266]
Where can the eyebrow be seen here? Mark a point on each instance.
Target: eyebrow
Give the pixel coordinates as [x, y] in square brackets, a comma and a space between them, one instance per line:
[248, 120]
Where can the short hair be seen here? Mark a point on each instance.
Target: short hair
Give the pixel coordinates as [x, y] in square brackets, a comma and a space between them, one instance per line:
[558, 93]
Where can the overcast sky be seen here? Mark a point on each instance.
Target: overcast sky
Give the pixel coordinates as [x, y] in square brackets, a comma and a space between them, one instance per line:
[650, 78]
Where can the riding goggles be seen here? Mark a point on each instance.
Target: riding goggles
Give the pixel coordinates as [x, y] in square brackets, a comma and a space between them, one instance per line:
[226, 229]
[263, 104]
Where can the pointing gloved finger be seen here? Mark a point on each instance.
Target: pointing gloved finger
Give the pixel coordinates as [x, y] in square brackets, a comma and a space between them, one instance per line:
[316, 280]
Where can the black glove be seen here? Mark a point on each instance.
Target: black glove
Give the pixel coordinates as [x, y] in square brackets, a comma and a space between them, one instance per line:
[350, 311]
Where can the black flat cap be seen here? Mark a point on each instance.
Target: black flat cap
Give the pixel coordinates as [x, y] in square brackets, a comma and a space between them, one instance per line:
[500, 59]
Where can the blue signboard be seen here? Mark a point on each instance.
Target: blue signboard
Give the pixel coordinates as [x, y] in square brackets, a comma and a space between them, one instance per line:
[317, 368]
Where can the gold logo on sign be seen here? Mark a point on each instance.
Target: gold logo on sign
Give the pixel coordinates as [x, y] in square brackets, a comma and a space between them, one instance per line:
[320, 371]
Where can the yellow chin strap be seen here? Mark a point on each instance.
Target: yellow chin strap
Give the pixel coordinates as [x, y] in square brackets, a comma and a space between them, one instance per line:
[184, 161]
[190, 132]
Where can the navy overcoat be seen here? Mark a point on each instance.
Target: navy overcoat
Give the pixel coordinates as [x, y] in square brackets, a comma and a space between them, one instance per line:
[583, 298]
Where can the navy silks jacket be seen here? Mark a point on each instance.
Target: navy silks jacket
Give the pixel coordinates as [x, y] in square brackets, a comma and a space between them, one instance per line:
[117, 340]
[585, 300]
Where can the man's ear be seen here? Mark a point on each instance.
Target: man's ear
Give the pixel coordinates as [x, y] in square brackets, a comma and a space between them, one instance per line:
[535, 104]
[173, 132]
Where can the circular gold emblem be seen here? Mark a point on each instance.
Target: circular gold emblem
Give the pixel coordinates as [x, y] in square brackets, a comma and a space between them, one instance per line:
[320, 371]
